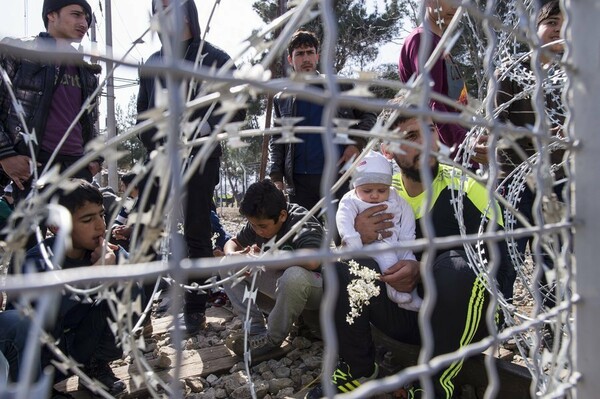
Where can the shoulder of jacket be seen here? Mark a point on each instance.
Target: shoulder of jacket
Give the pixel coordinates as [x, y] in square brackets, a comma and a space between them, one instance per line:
[27, 43]
[415, 35]
[95, 69]
[213, 53]
[284, 97]
[154, 58]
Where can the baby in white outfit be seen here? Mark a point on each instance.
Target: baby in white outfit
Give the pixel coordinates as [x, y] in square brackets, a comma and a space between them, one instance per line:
[372, 180]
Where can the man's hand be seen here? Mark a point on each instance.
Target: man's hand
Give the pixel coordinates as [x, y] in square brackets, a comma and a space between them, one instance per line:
[403, 275]
[349, 152]
[18, 168]
[94, 167]
[481, 150]
[279, 185]
[372, 222]
[235, 249]
[122, 232]
[104, 254]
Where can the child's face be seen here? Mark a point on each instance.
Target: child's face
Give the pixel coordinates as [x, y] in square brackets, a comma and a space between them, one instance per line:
[373, 193]
[549, 31]
[88, 227]
[267, 228]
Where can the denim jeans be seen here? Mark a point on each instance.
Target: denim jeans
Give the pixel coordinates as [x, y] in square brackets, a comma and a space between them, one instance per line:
[14, 329]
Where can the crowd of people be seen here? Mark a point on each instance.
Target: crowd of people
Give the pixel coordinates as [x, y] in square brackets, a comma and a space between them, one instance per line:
[377, 210]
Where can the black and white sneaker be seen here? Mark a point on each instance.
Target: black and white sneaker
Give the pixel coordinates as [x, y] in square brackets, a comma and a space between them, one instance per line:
[258, 344]
[100, 371]
[342, 380]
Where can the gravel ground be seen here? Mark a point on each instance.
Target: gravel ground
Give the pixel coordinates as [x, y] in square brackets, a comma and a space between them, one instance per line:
[282, 378]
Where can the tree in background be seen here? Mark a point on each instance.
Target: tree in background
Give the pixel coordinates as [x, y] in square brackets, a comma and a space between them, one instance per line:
[132, 148]
[385, 72]
[362, 30]
[240, 163]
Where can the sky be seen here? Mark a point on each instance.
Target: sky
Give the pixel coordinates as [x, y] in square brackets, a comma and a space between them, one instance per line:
[233, 21]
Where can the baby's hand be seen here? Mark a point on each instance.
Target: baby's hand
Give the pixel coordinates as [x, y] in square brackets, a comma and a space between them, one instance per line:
[104, 254]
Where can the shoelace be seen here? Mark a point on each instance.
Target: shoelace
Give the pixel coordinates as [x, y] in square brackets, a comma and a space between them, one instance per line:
[257, 341]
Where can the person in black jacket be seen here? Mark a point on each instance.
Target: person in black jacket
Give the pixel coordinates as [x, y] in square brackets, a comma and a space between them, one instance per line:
[50, 95]
[200, 188]
[458, 314]
[81, 326]
[297, 168]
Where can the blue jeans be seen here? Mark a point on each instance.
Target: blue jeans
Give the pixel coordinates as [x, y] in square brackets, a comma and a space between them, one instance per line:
[217, 228]
[14, 329]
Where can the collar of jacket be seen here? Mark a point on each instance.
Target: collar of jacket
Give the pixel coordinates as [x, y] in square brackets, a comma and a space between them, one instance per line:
[92, 68]
[190, 50]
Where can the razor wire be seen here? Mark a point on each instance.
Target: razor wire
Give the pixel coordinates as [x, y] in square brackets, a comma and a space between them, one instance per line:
[552, 367]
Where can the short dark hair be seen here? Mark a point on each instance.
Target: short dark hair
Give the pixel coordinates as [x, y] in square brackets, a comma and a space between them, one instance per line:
[75, 198]
[127, 178]
[302, 38]
[549, 9]
[401, 99]
[263, 200]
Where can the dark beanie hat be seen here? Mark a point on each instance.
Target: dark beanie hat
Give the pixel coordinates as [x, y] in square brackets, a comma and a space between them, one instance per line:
[190, 11]
[55, 5]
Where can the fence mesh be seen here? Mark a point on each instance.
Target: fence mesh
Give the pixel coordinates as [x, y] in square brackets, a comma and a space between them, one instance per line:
[501, 35]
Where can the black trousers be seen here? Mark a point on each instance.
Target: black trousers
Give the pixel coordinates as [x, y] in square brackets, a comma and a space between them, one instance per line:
[197, 226]
[458, 318]
[525, 205]
[82, 332]
[307, 192]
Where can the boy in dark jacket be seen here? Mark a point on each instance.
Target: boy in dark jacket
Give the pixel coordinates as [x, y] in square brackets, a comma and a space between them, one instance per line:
[81, 327]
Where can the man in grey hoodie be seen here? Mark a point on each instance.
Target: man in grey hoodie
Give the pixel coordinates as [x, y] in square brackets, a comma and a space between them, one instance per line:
[200, 188]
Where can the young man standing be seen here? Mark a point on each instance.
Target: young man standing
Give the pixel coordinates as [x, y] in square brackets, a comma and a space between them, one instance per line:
[51, 95]
[515, 96]
[297, 168]
[445, 73]
[200, 188]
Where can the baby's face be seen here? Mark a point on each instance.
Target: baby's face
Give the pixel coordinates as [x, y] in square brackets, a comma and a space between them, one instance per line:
[373, 193]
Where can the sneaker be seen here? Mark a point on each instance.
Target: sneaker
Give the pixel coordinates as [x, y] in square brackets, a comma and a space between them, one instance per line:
[342, 380]
[258, 344]
[218, 299]
[100, 371]
[56, 394]
[146, 330]
[415, 393]
[194, 322]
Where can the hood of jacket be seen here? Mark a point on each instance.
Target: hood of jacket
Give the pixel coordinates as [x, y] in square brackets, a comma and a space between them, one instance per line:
[191, 12]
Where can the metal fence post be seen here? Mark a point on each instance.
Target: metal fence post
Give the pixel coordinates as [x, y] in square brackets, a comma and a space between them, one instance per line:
[583, 96]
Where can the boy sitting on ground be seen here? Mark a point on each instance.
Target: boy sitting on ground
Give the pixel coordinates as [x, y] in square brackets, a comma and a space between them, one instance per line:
[295, 289]
[81, 327]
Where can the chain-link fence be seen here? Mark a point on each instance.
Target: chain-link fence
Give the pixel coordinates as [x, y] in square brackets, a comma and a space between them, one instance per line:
[555, 343]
